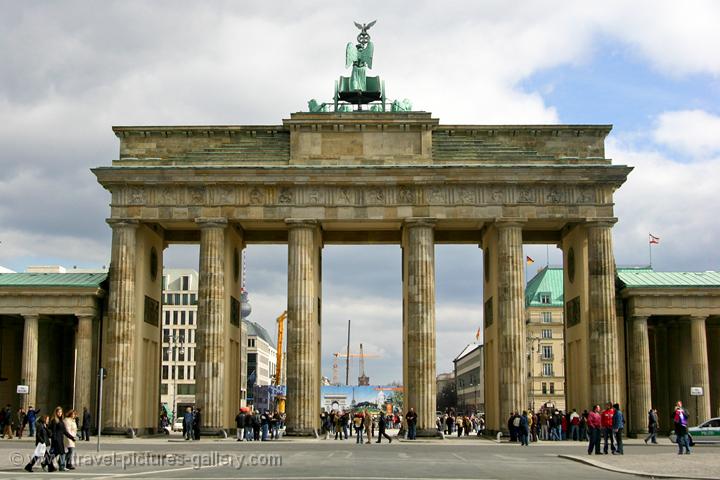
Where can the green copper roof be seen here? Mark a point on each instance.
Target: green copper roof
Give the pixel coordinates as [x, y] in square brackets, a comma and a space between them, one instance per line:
[647, 278]
[549, 280]
[52, 279]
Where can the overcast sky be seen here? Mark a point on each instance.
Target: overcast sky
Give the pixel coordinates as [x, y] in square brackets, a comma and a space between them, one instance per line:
[70, 70]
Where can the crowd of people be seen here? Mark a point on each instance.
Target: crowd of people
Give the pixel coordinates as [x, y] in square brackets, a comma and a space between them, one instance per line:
[342, 424]
[13, 424]
[252, 425]
[450, 423]
[55, 438]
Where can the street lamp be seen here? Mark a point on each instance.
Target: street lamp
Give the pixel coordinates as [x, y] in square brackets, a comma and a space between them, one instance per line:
[531, 370]
[175, 340]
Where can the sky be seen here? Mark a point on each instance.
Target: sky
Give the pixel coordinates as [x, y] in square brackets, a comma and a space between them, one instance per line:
[70, 70]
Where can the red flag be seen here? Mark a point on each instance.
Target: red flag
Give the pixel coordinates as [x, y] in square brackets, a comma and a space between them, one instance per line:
[477, 335]
[653, 239]
[529, 260]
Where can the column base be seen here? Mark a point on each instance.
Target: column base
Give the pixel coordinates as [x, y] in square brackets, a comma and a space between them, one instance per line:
[429, 433]
[213, 432]
[301, 432]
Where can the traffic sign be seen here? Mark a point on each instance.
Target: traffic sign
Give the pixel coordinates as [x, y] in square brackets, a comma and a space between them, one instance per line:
[696, 391]
[23, 389]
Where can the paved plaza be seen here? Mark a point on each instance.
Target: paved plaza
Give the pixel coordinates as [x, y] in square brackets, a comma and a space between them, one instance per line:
[160, 457]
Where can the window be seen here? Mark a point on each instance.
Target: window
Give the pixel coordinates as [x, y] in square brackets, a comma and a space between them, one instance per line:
[181, 372]
[544, 388]
[165, 372]
[545, 298]
[181, 335]
[546, 333]
[185, 299]
[547, 369]
[166, 335]
[191, 317]
[164, 282]
[547, 317]
[181, 354]
[175, 317]
[185, 284]
[182, 317]
[177, 299]
[166, 355]
[163, 389]
[193, 299]
[186, 389]
[552, 388]
[547, 352]
[191, 373]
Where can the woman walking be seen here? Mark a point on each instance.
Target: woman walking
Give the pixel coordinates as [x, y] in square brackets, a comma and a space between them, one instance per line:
[58, 432]
[69, 441]
[42, 445]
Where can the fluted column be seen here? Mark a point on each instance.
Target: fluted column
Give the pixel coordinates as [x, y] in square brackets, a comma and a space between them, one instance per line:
[84, 367]
[121, 328]
[511, 317]
[210, 334]
[303, 380]
[639, 382]
[699, 366]
[603, 345]
[30, 359]
[419, 285]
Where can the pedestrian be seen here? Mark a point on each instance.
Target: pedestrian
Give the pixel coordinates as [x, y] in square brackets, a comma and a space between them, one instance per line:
[58, 433]
[653, 425]
[368, 426]
[574, 426]
[681, 430]
[324, 423]
[381, 428]
[584, 426]
[411, 419]
[7, 422]
[42, 444]
[32, 419]
[249, 437]
[240, 425]
[358, 424]
[274, 425]
[21, 420]
[256, 425]
[265, 425]
[543, 419]
[524, 429]
[607, 425]
[70, 422]
[618, 427]
[188, 424]
[87, 424]
[164, 426]
[594, 422]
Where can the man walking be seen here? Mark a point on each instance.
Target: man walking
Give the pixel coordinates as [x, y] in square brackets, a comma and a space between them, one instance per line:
[652, 426]
[31, 419]
[681, 430]
[240, 425]
[381, 428]
[618, 427]
[411, 419]
[86, 425]
[594, 425]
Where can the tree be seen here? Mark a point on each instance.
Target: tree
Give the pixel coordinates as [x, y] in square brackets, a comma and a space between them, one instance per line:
[447, 397]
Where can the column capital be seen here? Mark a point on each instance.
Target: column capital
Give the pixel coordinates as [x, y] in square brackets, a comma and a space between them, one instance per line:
[412, 222]
[34, 316]
[302, 223]
[211, 222]
[123, 222]
[601, 222]
[639, 318]
[510, 222]
[696, 318]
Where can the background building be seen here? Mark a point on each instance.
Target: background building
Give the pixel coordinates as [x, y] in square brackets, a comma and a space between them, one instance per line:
[469, 379]
[544, 320]
[261, 357]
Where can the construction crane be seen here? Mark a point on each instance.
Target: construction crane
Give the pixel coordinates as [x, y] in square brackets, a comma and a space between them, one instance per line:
[336, 368]
[278, 361]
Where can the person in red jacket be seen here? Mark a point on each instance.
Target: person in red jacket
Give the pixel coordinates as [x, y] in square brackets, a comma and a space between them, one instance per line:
[607, 427]
[594, 426]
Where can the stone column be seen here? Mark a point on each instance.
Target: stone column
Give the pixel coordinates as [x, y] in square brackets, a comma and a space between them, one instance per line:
[713, 330]
[419, 285]
[639, 379]
[303, 381]
[120, 338]
[210, 334]
[512, 348]
[676, 364]
[663, 400]
[699, 367]
[30, 359]
[603, 345]
[84, 369]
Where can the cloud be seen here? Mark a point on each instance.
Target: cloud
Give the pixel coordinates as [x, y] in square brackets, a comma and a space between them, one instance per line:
[689, 132]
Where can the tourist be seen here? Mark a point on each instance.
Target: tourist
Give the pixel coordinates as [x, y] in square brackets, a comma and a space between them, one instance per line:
[556, 421]
[256, 425]
[584, 426]
[338, 425]
[87, 425]
[618, 427]
[653, 425]
[411, 419]
[607, 425]
[20, 422]
[594, 422]
[358, 424]
[345, 422]
[524, 429]
[164, 425]
[188, 424]
[275, 425]
[240, 425]
[265, 425]
[31, 419]
[574, 426]
[368, 425]
[58, 432]
[197, 423]
[248, 426]
[7, 422]
[681, 430]
[381, 428]
[42, 444]
[70, 422]
[450, 422]
[324, 423]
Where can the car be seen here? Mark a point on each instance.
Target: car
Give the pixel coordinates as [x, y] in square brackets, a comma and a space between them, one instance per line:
[178, 424]
[706, 432]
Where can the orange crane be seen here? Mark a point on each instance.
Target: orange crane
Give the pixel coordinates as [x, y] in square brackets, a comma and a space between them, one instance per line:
[278, 361]
[337, 355]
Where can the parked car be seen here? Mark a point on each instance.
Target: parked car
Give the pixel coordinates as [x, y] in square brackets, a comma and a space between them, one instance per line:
[178, 424]
[706, 432]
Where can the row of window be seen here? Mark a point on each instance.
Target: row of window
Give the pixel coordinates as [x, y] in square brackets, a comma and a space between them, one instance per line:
[178, 372]
[545, 388]
[178, 354]
[180, 335]
[181, 389]
[184, 282]
[180, 299]
[179, 317]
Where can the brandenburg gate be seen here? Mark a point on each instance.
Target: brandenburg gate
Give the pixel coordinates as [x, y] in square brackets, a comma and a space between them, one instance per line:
[362, 177]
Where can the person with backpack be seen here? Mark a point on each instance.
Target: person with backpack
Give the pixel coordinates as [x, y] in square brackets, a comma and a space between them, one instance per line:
[680, 419]
[240, 425]
[42, 445]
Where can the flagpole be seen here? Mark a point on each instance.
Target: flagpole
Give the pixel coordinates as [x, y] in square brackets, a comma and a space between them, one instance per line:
[650, 252]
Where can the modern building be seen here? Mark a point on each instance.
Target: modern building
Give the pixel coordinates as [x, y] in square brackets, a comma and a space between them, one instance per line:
[544, 330]
[179, 320]
[261, 357]
[469, 379]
